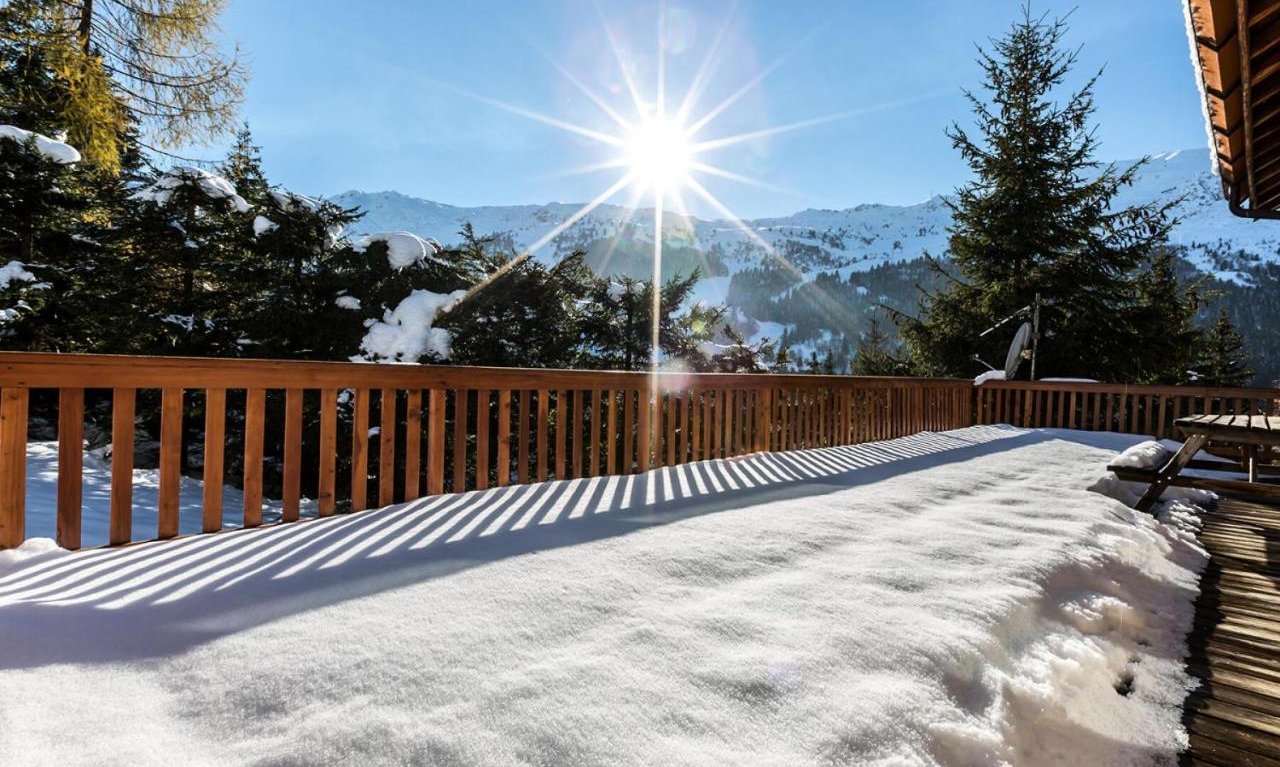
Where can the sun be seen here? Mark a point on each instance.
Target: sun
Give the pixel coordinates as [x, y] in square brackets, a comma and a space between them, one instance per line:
[659, 153]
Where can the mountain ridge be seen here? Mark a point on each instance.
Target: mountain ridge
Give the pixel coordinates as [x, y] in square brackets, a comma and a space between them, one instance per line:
[827, 272]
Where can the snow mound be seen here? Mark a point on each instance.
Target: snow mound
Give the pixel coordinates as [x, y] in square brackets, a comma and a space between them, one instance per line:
[32, 551]
[406, 333]
[990, 375]
[404, 249]
[213, 186]
[1146, 455]
[51, 149]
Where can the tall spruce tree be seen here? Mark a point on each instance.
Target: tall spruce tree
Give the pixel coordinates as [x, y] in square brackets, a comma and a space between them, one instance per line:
[530, 316]
[189, 277]
[1038, 219]
[873, 357]
[742, 356]
[1222, 359]
[617, 331]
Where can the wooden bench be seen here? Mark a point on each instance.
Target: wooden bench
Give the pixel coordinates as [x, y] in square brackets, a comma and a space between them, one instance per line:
[1251, 435]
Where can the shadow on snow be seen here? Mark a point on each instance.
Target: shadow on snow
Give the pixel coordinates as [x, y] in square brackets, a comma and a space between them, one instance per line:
[161, 598]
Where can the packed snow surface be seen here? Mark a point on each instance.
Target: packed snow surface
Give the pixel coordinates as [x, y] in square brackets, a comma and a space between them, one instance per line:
[51, 149]
[946, 599]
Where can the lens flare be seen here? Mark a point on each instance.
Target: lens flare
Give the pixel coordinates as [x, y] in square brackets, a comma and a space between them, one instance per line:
[659, 153]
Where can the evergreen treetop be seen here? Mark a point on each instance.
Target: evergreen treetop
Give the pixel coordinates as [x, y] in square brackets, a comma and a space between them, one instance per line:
[1038, 219]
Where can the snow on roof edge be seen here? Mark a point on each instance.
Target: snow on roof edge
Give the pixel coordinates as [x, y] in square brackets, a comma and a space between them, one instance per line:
[1192, 45]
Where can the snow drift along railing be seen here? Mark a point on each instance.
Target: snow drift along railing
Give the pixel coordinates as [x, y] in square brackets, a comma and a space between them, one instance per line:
[1128, 409]
[354, 436]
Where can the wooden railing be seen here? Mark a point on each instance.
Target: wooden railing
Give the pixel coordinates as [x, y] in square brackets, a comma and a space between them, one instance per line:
[1113, 407]
[354, 436]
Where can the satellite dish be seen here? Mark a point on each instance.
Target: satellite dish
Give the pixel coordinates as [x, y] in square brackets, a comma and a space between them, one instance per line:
[1013, 359]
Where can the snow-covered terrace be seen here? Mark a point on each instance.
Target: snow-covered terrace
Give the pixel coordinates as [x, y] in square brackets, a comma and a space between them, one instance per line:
[584, 567]
[950, 598]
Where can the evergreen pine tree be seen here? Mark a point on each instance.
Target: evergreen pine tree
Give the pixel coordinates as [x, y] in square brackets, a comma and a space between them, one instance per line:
[190, 277]
[1038, 219]
[1222, 359]
[739, 356]
[617, 330]
[1163, 320]
[872, 357]
[531, 316]
[243, 167]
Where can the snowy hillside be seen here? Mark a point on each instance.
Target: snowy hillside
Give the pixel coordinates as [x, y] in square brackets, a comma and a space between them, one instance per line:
[844, 241]
[837, 267]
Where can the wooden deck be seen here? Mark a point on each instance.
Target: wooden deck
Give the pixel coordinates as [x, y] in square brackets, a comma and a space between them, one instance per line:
[1234, 718]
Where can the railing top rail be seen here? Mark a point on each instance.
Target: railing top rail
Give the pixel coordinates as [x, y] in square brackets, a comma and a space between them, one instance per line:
[50, 370]
[1151, 389]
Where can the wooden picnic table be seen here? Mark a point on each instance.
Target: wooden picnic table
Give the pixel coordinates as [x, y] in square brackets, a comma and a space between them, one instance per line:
[1249, 433]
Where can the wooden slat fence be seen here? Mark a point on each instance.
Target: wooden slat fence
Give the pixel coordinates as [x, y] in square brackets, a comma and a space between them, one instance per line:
[355, 436]
[1128, 409]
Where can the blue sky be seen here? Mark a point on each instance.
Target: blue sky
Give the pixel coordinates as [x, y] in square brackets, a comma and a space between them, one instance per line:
[380, 95]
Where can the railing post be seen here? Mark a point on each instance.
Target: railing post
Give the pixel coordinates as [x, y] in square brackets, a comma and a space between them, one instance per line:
[13, 466]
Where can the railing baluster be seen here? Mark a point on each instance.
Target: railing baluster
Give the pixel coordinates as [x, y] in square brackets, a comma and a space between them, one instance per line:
[562, 432]
[291, 481]
[326, 484]
[482, 438]
[644, 413]
[522, 434]
[123, 403]
[255, 411]
[596, 425]
[504, 438]
[544, 424]
[412, 443]
[578, 432]
[460, 432]
[611, 435]
[170, 462]
[215, 431]
[435, 441]
[70, 466]
[628, 431]
[387, 448]
[360, 449]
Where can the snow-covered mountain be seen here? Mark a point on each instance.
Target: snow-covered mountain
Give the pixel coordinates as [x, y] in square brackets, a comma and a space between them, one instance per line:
[845, 241]
[829, 268]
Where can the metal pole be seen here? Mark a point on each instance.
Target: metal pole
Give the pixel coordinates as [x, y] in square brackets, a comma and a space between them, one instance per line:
[1035, 334]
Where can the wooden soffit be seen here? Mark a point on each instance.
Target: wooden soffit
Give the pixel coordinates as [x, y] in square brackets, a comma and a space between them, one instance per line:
[1235, 45]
